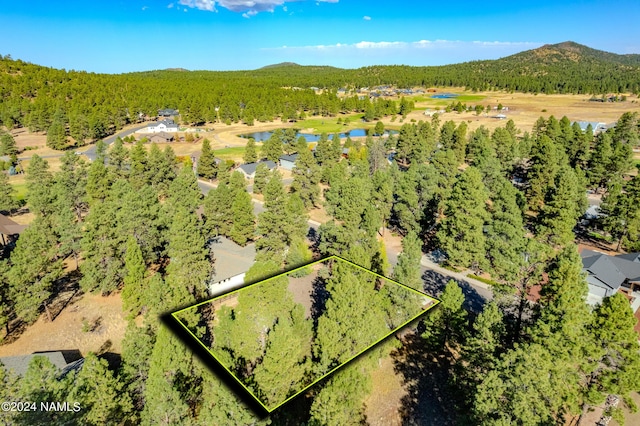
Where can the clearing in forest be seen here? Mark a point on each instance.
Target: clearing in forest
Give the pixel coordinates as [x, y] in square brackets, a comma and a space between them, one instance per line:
[277, 340]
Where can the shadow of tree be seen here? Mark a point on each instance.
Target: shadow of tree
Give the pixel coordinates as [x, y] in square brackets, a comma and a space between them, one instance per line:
[434, 284]
[425, 377]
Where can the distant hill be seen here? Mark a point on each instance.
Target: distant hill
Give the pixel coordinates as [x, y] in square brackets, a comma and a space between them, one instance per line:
[280, 65]
[570, 51]
[177, 69]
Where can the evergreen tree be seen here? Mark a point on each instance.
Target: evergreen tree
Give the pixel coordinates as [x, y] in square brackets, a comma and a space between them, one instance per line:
[35, 268]
[546, 160]
[250, 152]
[407, 271]
[184, 192]
[138, 168]
[7, 201]
[57, 135]
[161, 170]
[261, 178]
[340, 401]
[461, 232]
[135, 278]
[207, 167]
[272, 148]
[505, 234]
[564, 204]
[99, 181]
[382, 194]
[9, 147]
[40, 194]
[100, 394]
[306, 175]
[272, 222]
[243, 219]
[446, 324]
[118, 158]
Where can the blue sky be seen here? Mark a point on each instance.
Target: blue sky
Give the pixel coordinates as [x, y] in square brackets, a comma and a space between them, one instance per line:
[136, 35]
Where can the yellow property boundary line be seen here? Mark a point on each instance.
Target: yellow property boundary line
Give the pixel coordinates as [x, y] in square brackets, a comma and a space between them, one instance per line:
[327, 374]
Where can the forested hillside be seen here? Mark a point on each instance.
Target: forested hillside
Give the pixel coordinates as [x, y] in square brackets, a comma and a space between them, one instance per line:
[87, 106]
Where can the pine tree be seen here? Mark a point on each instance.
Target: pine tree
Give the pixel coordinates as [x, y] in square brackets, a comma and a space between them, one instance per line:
[7, 201]
[184, 192]
[135, 278]
[546, 161]
[250, 152]
[288, 349]
[40, 194]
[99, 181]
[118, 158]
[272, 222]
[505, 234]
[407, 271]
[35, 268]
[243, 219]
[261, 178]
[207, 167]
[57, 135]
[100, 394]
[446, 325]
[218, 210]
[161, 170]
[138, 169]
[306, 175]
[564, 204]
[340, 401]
[272, 148]
[461, 232]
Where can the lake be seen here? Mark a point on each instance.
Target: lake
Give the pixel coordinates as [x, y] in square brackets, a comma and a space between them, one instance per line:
[444, 96]
[263, 136]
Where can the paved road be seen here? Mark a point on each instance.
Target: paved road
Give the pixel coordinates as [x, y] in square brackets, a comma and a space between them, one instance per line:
[91, 152]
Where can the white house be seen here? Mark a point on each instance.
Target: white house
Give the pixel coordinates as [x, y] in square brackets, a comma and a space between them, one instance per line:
[168, 126]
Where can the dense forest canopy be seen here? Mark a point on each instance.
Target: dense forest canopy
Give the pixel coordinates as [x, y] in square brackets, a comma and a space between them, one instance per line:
[91, 106]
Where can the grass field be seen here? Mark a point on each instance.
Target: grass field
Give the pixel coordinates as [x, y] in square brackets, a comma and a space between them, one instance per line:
[331, 125]
[233, 153]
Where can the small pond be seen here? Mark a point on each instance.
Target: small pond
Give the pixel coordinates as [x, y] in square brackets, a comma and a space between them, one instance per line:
[444, 96]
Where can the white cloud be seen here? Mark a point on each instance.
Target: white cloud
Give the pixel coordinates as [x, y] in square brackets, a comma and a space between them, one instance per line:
[366, 18]
[242, 6]
[145, 7]
[284, 8]
[170, 6]
[423, 44]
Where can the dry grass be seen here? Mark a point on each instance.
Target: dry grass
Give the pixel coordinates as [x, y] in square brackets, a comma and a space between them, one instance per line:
[102, 314]
[386, 396]
[526, 108]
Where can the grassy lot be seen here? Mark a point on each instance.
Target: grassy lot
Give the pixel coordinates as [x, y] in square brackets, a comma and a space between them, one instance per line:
[21, 190]
[331, 125]
[462, 98]
[233, 153]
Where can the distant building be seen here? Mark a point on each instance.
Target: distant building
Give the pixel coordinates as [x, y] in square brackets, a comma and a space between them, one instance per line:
[167, 112]
[249, 169]
[287, 162]
[596, 126]
[168, 126]
[162, 137]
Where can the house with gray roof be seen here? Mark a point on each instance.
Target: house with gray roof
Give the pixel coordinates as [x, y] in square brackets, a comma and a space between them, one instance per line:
[608, 274]
[249, 169]
[167, 112]
[65, 361]
[288, 162]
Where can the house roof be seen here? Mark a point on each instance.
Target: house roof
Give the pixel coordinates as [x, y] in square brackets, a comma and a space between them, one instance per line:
[595, 125]
[163, 135]
[291, 158]
[167, 111]
[250, 168]
[633, 257]
[9, 227]
[19, 364]
[611, 270]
